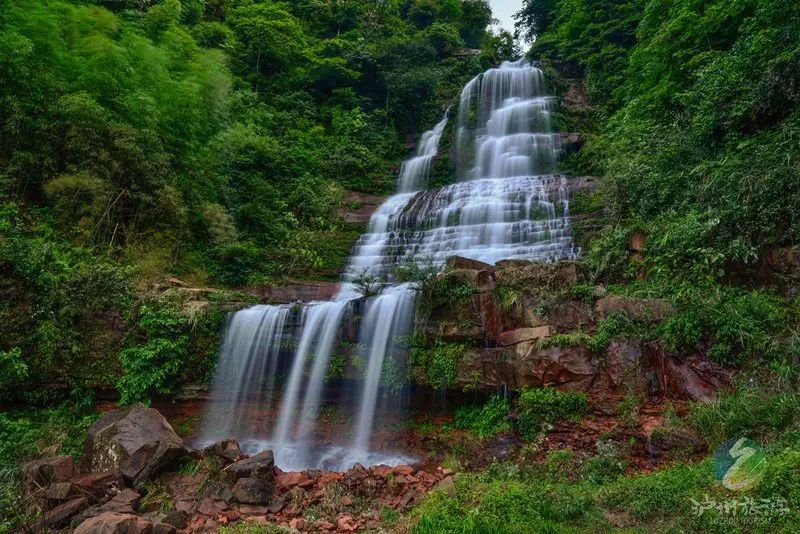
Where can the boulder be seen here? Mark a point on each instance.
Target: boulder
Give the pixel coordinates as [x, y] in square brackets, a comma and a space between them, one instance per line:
[117, 523]
[291, 479]
[253, 491]
[570, 367]
[136, 440]
[227, 449]
[41, 473]
[124, 502]
[647, 310]
[459, 262]
[512, 337]
[58, 517]
[260, 466]
[175, 518]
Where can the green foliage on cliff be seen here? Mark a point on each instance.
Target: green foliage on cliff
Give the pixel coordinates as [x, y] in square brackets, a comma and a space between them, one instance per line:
[692, 121]
[433, 361]
[540, 406]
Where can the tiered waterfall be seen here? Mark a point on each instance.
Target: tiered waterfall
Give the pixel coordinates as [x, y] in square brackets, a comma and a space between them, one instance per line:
[507, 203]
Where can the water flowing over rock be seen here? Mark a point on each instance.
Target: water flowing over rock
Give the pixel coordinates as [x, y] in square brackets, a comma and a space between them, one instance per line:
[507, 204]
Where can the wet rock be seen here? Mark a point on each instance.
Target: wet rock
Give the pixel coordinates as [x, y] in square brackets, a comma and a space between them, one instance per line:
[298, 291]
[259, 466]
[117, 523]
[647, 310]
[512, 337]
[253, 491]
[136, 440]
[58, 517]
[40, 474]
[358, 207]
[227, 449]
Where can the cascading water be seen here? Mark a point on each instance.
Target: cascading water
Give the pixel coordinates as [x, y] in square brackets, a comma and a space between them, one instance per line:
[507, 204]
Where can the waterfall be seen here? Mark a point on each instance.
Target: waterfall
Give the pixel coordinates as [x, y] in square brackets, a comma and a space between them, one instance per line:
[507, 203]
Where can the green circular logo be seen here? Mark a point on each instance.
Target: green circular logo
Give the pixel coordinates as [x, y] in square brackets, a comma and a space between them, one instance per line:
[739, 464]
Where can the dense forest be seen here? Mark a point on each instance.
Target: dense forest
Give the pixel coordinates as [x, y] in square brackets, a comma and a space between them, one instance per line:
[215, 143]
[207, 140]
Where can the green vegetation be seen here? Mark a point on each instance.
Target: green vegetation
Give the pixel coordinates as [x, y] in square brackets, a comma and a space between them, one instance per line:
[485, 420]
[433, 361]
[28, 433]
[692, 119]
[540, 406]
[569, 492]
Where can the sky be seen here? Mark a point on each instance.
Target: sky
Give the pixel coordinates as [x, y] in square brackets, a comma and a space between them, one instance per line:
[503, 11]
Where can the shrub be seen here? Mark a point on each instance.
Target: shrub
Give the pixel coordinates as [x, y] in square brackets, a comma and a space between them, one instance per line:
[485, 420]
[762, 407]
[434, 361]
[155, 363]
[540, 406]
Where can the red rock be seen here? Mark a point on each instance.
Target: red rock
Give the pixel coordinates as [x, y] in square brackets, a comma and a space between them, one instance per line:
[636, 242]
[97, 486]
[323, 525]
[59, 517]
[346, 501]
[249, 509]
[117, 523]
[404, 470]
[210, 507]
[292, 479]
[346, 524]
[459, 262]
[39, 474]
[512, 337]
[298, 523]
[382, 471]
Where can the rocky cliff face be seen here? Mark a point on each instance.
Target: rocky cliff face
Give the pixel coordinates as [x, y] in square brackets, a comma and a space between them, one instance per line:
[527, 328]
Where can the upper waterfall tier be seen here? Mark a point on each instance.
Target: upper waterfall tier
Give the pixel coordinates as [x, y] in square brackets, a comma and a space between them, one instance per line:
[507, 203]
